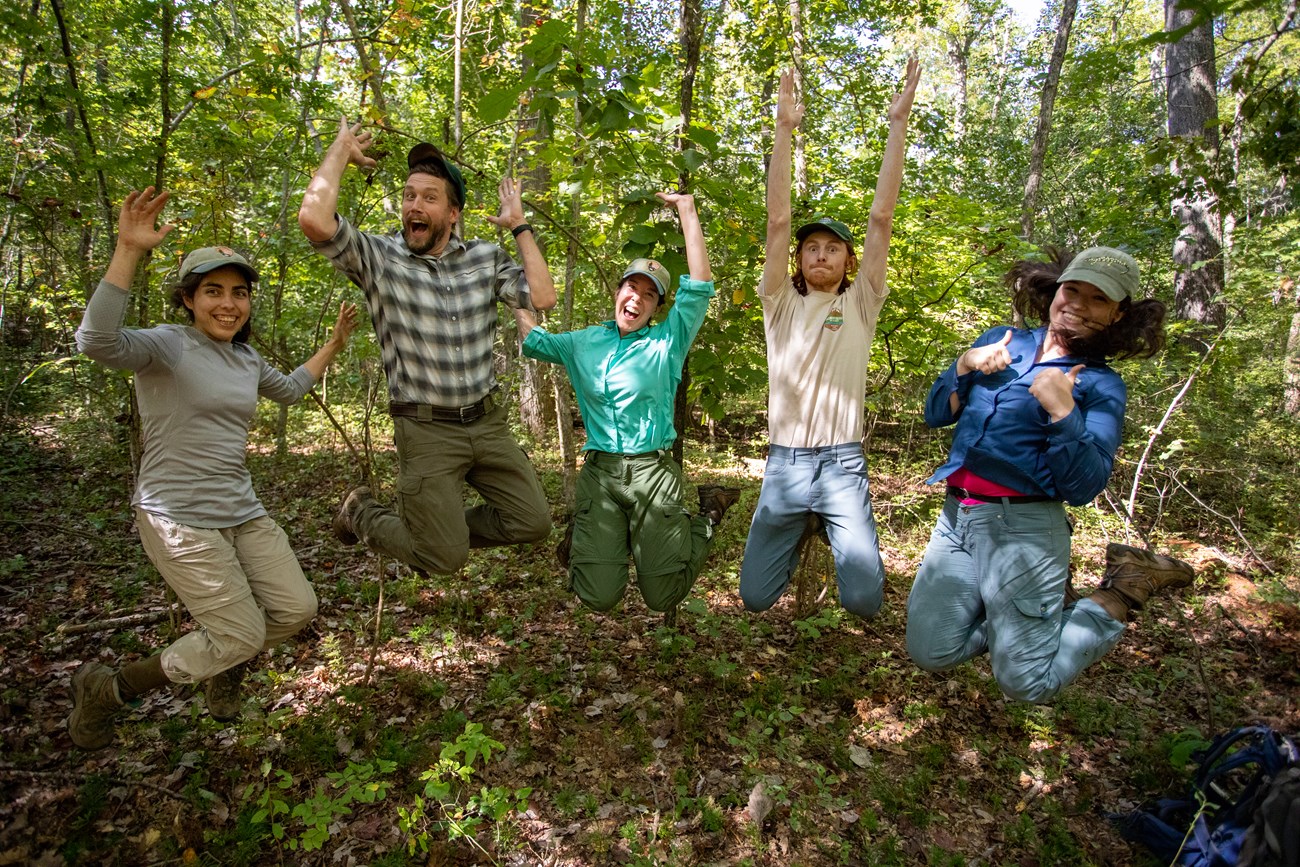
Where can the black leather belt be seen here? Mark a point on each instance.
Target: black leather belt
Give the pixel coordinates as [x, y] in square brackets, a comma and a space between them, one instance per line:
[429, 412]
[963, 494]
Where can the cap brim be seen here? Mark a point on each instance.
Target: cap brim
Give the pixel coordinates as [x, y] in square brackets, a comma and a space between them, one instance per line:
[205, 267]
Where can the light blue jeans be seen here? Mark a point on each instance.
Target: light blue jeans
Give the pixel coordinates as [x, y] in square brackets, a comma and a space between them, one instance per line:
[832, 482]
[993, 580]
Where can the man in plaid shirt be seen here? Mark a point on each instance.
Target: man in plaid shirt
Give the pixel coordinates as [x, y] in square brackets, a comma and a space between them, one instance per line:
[433, 299]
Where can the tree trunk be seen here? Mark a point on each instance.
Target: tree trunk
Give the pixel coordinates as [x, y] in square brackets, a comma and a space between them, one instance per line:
[532, 381]
[1291, 361]
[374, 74]
[559, 386]
[798, 48]
[692, 34]
[1046, 102]
[1193, 117]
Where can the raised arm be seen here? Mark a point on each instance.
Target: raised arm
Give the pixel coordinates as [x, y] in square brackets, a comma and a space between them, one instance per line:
[541, 288]
[316, 216]
[338, 339]
[137, 234]
[789, 113]
[880, 224]
[697, 255]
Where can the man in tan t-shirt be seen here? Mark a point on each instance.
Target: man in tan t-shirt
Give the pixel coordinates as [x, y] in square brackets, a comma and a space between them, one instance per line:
[819, 323]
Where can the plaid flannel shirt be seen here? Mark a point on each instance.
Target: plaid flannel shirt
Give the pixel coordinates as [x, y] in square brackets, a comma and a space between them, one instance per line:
[436, 316]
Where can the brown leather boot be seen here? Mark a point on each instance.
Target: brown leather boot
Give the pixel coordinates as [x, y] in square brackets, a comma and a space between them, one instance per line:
[1134, 575]
[224, 693]
[343, 528]
[715, 500]
[565, 546]
[95, 702]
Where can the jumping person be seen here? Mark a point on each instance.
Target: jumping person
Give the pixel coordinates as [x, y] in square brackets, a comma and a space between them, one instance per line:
[433, 299]
[625, 373]
[819, 322]
[1039, 414]
[199, 520]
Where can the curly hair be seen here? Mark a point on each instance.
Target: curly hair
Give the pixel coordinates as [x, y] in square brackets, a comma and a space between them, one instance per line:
[185, 289]
[1139, 333]
[801, 282]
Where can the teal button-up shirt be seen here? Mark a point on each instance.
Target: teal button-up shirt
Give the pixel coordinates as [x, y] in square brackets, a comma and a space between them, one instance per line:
[626, 385]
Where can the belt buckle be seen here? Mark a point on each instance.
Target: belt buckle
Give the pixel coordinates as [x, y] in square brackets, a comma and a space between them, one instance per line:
[465, 413]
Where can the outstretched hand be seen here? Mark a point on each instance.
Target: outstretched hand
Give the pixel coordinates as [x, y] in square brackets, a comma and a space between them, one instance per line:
[677, 200]
[988, 359]
[353, 141]
[137, 228]
[1054, 390]
[345, 324]
[789, 111]
[511, 194]
[901, 106]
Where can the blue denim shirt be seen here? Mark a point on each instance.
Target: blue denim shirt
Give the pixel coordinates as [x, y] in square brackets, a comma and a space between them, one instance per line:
[1004, 435]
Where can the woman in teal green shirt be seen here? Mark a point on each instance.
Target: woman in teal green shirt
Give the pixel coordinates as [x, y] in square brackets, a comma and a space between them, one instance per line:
[625, 373]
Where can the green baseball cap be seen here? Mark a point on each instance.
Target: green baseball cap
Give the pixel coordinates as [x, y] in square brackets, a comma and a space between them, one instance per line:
[206, 259]
[651, 268]
[425, 153]
[1112, 271]
[825, 224]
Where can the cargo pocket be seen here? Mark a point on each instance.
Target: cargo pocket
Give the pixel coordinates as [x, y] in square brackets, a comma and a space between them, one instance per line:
[1040, 606]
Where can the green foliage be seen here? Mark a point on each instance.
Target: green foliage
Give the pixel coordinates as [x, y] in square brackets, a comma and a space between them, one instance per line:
[448, 806]
[305, 825]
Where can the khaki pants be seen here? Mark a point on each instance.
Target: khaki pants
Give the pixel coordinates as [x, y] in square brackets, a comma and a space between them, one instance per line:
[242, 585]
[431, 530]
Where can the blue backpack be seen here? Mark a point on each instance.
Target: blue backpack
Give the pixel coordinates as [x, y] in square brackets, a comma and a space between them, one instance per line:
[1207, 828]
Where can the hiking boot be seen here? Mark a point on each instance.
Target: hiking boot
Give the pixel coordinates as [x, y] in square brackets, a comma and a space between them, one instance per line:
[343, 528]
[224, 693]
[715, 500]
[670, 618]
[95, 701]
[566, 544]
[1133, 576]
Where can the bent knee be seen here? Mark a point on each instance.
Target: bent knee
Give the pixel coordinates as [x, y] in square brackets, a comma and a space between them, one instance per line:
[864, 605]
[537, 529]
[925, 657]
[440, 561]
[1034, 690]
[757, 604]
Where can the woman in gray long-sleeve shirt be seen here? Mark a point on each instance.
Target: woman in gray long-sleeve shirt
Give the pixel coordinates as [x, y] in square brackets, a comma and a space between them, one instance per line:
[198, 517]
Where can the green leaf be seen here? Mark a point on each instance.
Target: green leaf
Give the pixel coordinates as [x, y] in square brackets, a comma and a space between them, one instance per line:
[497, 104]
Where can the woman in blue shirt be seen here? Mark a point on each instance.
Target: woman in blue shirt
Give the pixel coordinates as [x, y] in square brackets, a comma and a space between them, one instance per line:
[1039, 416]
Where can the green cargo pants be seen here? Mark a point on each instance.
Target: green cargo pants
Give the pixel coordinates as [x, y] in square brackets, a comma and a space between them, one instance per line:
[632, 504]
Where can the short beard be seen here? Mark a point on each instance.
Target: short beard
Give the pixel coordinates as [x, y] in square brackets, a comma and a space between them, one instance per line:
[436, 234]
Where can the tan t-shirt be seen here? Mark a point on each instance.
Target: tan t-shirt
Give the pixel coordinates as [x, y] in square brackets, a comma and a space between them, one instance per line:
[818, 346]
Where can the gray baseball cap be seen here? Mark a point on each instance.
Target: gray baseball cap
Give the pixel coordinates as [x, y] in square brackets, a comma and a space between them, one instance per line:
[206, 259]
[1112, 271]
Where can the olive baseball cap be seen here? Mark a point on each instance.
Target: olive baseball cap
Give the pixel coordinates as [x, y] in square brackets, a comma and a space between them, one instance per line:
[206, 259]
[1112, 271]
[651, 268]
[426, 153]
[825, 224]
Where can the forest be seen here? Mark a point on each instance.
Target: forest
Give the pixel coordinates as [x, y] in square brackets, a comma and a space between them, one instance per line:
[488, 717]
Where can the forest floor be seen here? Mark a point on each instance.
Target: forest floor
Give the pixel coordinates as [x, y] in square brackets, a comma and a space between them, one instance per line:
[622, 740]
